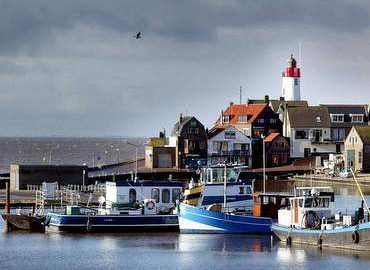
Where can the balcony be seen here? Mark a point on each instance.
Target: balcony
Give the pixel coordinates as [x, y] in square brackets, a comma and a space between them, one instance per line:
[230, 153]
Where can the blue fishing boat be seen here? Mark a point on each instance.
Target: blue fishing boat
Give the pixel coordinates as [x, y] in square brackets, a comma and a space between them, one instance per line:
[212, 220]
[221, 203]
[127, 206]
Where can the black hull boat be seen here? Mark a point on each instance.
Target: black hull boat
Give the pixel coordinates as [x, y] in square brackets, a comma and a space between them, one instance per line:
[25, 222]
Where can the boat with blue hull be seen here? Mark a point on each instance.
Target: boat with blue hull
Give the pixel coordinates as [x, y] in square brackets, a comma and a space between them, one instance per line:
[127, 206]
[197, 220]
[221, 203]
[309, 220]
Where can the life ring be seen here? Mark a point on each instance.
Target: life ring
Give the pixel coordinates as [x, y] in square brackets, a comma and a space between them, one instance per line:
[150, 205]
[355, 237]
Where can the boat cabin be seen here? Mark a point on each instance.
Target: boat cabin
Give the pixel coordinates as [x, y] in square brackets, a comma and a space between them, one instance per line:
[211, 188]
[153, 197]
[268, 204]
[307, 208]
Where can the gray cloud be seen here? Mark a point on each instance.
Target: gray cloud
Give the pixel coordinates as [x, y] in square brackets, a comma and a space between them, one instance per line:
[73, 67]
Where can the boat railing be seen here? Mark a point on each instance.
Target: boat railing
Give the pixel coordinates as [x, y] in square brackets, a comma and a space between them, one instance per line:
[247, 210]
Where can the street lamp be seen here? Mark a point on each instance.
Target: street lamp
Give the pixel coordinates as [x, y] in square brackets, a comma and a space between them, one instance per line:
[264, 163]
[136, 152]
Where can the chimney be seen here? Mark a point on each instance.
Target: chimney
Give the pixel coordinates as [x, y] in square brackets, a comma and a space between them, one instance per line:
[231, 103]
[267, 99]
[180, 117]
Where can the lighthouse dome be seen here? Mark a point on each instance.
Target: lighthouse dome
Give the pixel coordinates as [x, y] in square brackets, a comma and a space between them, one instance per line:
[292, 61]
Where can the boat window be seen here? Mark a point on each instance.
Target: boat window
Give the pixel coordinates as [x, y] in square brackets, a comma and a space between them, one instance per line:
[324, 202]
[132, 195]
[165, 195]
[284, 202]
[155, 194]
[248, 190]
[241, 190]
[308, 202]
[272, 200]
[176, 193]
[300, 202]
[265, 199]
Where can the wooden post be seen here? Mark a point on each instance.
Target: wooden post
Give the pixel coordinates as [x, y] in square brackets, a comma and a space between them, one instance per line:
[7, 204]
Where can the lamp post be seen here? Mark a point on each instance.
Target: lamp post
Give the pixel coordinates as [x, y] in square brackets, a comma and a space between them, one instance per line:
[264, 163]
[136, 152]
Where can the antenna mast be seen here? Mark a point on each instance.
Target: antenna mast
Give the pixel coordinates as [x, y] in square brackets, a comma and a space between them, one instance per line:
[240, 94]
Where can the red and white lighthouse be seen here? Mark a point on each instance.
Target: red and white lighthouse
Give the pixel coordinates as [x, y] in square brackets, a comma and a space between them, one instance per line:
[291, 85]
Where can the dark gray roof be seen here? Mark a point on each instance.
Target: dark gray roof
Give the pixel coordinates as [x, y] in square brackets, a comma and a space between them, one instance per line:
[307, 117]
[179, 125]
[346, 109]
[275, 104]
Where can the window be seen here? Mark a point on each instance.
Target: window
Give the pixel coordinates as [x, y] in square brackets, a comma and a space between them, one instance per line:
[360, 156]
[318, 119]
[301, 134]
[296, 81]
[357, 118]
[165, 195]
[176, 193]
[337, 118]
[242, 118]
[155, 194]
[241, 190]
[220, 146]
[226, 118]
[261, 120]
[248, 190]
[132, 195]
[230, 135]
[272, 121]
[338, 134]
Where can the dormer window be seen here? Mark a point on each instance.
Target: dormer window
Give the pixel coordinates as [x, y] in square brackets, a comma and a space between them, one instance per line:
[243, 118]
[227, 118]
[318, 119]
[357, 118]
[337, 118]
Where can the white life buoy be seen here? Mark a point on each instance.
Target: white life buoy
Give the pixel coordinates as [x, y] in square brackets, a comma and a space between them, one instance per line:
[150, 204]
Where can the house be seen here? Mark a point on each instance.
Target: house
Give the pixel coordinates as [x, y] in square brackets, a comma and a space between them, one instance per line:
[158, 154]
[254, 120]
[229, 145]
[189, 138]
[342, 118]
[277, 150]
[309, 131]
[357, 149]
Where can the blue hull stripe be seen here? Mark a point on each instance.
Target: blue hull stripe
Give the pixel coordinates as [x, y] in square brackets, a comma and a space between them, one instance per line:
[227, 222]
[276, 227]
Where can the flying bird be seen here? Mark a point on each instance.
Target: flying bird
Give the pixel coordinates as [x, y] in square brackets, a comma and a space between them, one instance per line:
[138, 35]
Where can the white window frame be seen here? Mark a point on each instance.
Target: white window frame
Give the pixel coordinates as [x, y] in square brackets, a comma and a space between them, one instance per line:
[335, 118]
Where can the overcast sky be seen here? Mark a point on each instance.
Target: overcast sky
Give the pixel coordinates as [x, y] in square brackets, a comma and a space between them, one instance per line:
[73, 68]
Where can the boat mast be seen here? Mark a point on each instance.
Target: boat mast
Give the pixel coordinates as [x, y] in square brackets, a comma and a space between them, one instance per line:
[362, 195]
[225, 175]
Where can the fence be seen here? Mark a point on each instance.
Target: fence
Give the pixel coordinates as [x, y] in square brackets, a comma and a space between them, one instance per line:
[91, 188]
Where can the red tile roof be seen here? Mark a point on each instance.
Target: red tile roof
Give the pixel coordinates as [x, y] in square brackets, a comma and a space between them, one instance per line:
[271, 136]
[252, 110]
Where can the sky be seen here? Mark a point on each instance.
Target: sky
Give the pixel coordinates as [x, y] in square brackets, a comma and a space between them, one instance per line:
[73, 68]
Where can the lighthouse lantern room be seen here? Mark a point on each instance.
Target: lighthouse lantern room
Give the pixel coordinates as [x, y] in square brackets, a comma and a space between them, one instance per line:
[291, 84]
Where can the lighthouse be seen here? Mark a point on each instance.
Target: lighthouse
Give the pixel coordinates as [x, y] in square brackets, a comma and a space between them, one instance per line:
[291, 85]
